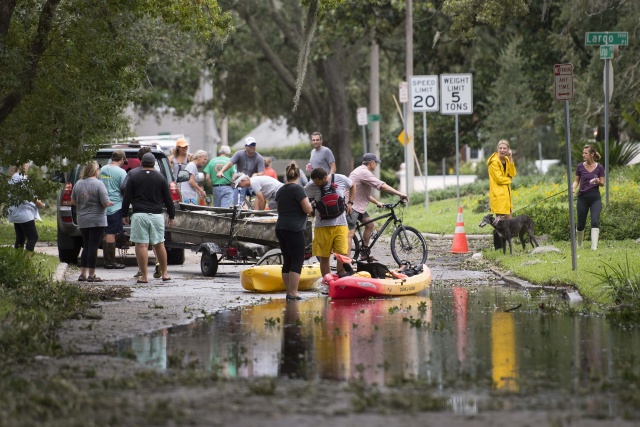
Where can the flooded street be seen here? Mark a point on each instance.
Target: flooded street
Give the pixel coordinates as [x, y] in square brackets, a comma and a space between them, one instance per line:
[466, 342]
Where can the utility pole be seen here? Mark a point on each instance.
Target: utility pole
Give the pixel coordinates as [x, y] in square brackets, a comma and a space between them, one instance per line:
[374, 104]
[408, 119]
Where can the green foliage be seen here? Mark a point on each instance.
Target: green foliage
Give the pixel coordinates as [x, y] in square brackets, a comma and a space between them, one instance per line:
[32, 306]
[511, 103]
[619, 220]
[466, 15]
[620, 152]
[68, 72]
[300, 151]
[621, 281]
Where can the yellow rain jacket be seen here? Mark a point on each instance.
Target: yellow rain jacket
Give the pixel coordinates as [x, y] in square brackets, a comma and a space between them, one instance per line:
[500, 184]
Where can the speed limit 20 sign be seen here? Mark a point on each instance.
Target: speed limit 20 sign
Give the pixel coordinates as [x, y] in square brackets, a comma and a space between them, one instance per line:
[424, 93]
[456, 94]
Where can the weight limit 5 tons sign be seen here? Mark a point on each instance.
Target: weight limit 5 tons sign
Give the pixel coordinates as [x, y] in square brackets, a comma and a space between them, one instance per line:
[456, 94]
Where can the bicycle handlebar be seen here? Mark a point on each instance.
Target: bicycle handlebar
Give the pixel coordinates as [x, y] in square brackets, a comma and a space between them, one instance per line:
[393, 205]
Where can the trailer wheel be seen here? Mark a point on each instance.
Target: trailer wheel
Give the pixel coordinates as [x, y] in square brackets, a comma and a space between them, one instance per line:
[209, 264]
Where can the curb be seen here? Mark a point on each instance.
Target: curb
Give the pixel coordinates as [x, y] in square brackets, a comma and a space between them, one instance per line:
[567, 293]
[433, 236]
[61, 271]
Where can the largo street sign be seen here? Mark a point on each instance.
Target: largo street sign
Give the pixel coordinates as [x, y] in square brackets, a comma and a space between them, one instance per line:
[563, 81]
[606, 38]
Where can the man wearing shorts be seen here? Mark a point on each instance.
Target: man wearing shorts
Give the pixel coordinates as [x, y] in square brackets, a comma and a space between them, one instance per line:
[365, 181]
[112, 176]
[330, 235]
[148, 191]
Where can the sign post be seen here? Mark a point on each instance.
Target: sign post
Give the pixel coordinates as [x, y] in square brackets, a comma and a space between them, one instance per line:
[563, 77]
[456, 97]
[404, 98]
[608, 42]
[363, 119]
[424, 97]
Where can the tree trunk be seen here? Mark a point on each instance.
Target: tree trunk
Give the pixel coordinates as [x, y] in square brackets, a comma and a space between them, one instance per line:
[338, 130]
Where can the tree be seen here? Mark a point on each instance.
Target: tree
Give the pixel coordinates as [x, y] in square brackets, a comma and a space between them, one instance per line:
[511, 105]
[69, 69]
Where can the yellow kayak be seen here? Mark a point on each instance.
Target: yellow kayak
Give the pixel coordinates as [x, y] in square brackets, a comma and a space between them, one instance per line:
[268, 278]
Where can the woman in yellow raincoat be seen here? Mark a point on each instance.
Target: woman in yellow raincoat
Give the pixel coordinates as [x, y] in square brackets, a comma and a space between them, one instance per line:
[501, 171]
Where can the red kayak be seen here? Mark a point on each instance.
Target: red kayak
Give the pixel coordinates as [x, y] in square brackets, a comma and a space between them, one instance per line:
[361, 284]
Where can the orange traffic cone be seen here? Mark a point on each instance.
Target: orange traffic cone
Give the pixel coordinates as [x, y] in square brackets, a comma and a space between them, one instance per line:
[460, 238]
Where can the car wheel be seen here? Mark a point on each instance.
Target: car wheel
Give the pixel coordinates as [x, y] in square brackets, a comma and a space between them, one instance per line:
[209, 264]
[68, 248]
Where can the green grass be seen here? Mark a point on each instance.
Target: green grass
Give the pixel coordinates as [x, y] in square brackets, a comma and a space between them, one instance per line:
[47, 230]
[556, 268]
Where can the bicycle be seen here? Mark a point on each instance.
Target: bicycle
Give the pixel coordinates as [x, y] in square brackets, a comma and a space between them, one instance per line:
[407, 243]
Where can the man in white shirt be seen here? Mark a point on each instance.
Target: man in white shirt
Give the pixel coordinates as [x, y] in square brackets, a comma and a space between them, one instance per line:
[264, 187]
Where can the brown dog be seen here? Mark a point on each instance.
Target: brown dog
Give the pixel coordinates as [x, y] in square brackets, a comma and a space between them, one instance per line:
[520, 225]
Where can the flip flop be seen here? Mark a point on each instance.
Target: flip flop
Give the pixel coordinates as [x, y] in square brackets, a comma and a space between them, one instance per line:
[142, 281]
[166, 279]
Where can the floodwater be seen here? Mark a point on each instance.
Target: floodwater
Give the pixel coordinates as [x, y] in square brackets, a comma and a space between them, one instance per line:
[472, 341]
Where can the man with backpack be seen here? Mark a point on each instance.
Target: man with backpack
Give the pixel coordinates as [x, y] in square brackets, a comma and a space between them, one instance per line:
[331, 207]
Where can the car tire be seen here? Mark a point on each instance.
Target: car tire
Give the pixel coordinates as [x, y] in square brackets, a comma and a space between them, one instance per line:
[68, 248]
[209, 264]
[175, 256]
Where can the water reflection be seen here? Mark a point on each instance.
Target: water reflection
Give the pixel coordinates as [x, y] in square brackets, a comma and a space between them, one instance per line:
[453, 338]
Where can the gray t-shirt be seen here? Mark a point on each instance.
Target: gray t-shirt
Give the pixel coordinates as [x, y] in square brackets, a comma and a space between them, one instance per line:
[269, 186]
[322, 157]
[248, 165]
[313, 192]
[89, 195]
[188, 192]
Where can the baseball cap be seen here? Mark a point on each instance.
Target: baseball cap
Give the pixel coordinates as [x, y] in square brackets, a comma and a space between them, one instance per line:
[148, 160]
[237, 178]
[118, 155]
[250, 141]
[181, 142]
[369, 157]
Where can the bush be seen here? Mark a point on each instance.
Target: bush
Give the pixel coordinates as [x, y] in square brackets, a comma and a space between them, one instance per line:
[32, 306]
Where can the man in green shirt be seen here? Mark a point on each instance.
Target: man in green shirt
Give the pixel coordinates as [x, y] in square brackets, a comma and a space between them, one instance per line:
[222, 188]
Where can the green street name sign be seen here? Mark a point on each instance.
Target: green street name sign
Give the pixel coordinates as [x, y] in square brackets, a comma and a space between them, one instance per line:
[607, 38]
[606, 52]
[374, 117]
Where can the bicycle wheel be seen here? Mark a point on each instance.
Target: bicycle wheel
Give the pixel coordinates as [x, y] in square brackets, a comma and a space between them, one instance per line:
[355, 247]
[407, 244]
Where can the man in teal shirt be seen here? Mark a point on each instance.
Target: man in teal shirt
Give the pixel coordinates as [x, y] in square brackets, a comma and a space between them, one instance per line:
[222, 188]
[112, 175]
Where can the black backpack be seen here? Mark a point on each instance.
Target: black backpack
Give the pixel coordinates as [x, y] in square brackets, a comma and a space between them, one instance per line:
[330, 204]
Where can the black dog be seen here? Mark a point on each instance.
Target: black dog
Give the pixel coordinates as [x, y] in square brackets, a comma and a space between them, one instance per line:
[520, 225]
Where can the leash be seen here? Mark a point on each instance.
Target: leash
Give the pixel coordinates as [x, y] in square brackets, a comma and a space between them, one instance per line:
[553, 195]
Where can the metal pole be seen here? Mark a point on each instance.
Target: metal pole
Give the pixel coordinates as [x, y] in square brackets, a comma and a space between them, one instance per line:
[406, 155]
[426, 171]
[606, 130]
[408, 119]
[572, 226]
[364, 140]
[540, 155]
[457, 166]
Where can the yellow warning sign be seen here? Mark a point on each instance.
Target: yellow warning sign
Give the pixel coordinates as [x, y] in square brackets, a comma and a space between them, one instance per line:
[401, 138]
